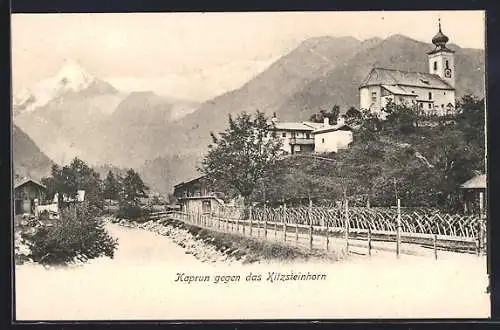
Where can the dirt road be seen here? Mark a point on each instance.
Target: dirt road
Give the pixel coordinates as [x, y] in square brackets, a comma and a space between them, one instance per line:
[140, 283]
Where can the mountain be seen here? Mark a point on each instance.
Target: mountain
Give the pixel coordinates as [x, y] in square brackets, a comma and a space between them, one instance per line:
[28, 159]
[71, 78]
[128, 136]
[340, 85]
[316, 75]
[74, 113]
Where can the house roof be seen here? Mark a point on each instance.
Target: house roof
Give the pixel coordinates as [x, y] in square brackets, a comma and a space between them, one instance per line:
[333, 128]
[398, 90]
[477, 182]
[293, 126]
[382, 76]
[313, 124]
[20, 182]
[189, 181]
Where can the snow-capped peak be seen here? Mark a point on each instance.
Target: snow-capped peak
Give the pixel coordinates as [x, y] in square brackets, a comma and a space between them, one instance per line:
[70, 77]
[73, 77]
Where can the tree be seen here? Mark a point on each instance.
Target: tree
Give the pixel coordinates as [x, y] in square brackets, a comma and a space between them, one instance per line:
[67, 180]
[111, 187]
[332, 115]
[242, 156]
[78, 234]
[353, 113]
[133, 188]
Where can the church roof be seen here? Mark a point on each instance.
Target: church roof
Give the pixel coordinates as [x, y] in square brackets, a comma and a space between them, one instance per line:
[398, 90]
[382, 76]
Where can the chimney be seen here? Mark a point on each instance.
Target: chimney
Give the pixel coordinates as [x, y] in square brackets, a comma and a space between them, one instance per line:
[340, 120]
[274, 119]
[326, 121]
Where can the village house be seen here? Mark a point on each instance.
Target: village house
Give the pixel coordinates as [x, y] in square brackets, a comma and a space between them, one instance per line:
[28, 194]
[433, 92]
[197, 197]
[332, 138]
[471, 191]
[308, 136]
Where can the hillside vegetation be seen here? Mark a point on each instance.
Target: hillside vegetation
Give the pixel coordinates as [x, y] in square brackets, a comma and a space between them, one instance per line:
[422, 162]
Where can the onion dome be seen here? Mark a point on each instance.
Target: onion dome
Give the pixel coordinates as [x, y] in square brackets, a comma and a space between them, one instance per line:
[440, 39]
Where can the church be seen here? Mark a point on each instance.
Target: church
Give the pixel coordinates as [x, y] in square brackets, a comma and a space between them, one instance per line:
[433, 92]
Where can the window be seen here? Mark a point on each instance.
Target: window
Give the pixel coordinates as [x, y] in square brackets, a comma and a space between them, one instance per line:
[308, 136]
[430, 95]
[435, 65]
[430, 106]
[447, 64]
[444, 93]
[442, 106]
[421, 105]
[283, 134]
[323, 140]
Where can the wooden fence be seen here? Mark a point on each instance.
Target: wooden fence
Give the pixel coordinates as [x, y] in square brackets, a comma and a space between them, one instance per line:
[390, 226]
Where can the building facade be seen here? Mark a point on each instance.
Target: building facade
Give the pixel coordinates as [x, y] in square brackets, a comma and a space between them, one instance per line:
[196, 197]
[431, 93]
[333, 138]
[28, 194]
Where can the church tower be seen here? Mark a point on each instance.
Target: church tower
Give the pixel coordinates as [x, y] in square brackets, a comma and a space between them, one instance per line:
[442, 59]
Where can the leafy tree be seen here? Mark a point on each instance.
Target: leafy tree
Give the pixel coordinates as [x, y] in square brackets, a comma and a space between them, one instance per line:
[133, 187]
[78, 234]
[76, 176]
[112, 187]
[353, 113]
[242, 156]
[332, 115]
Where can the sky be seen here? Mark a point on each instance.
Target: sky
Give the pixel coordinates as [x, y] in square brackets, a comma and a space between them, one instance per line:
[203, 53]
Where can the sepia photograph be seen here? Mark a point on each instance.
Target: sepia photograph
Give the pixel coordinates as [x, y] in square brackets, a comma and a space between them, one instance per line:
[249, 165]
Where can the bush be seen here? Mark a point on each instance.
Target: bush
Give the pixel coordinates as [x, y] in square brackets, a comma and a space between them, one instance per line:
[132, 212]
[78, 234]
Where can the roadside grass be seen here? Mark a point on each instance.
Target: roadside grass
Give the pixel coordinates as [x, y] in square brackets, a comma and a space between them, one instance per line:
[254, 249]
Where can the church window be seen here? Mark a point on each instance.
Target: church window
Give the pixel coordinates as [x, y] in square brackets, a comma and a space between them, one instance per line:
[430, 95]
[447, 64]
[435, 65]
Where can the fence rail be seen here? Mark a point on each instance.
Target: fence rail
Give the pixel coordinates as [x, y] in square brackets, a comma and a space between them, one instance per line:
[358, 225]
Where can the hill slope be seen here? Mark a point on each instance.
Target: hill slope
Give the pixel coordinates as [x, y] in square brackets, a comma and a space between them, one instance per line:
[319, 73]
[28, 159]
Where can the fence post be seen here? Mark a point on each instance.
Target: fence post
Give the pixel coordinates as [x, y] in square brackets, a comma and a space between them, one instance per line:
[435, 246]
[297, 230]
[346, 229]
[479, 224]
[327, 233]
[398, 232]
[310, 225]
[276, 226]
[243, 226]
[284, 222]
[265, 225]
[250, 218]
[369, 240]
